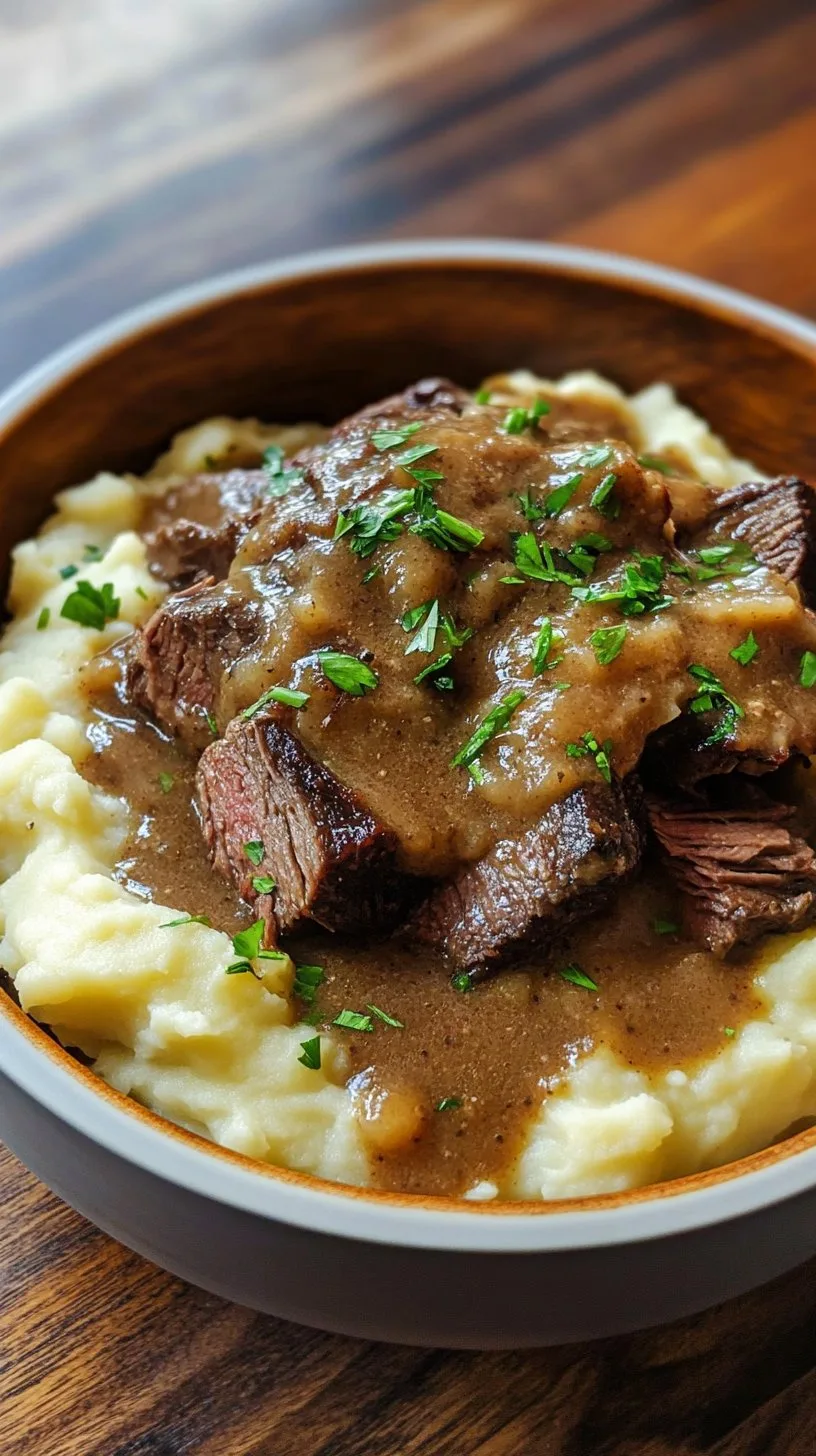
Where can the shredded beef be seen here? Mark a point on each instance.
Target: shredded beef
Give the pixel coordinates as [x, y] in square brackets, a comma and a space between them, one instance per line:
[777, 520]
[741, 872]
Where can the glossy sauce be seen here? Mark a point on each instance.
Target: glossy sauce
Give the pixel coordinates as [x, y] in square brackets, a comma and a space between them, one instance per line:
[496, 1051]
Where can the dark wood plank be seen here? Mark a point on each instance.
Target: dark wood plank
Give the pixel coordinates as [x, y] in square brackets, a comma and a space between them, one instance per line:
[144, 146]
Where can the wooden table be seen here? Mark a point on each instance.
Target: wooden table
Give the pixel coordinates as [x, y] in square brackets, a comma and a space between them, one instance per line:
[145, 145]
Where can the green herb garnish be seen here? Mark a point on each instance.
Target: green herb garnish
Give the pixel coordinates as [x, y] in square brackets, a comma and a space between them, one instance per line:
[528, 507]
[428, 615]
[448, 1104]
[280, 481]
[666, 927]
[92, 553]
[519, 419]
[370, 526]
[348, 673]
[494, 722]
[537, 563]
[310, 1054]
[211, 723]
[353, 1021]
[640, 589]
[559, 498]
[746, 651]
[91, 606]
[482, 396]
[166, 782]
[729, 1031]
[603, 499]
[254, 851]
[288, 697]
[308, 980]
[607, 643]
[384, 1016]
[390, 439]
[247, 943]
[542, 647]
[807, 669]
[68, 571]
[577, 977]
[653, 462]
[712, 697]
[462, 981]
[140, 592]
[43, 619]
[440, 528]
[263, 884]
[432, 671]
[588, 746]
[185, 920]
[457, 636]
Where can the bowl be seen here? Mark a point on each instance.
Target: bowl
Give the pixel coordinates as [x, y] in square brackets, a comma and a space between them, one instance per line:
[318, 336]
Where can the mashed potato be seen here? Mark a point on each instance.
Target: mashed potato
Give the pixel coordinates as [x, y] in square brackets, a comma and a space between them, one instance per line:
[154, 1010]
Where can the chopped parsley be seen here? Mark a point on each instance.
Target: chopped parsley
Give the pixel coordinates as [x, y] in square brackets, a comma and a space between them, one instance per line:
[307, 982]
[482, 396]
[494, 722]
[416, 453]
[529, 509]
[457, 636]
[166, 782]
[807, 669]
[263, 884]
[212, 724]
[607, 643]
[519, 419]
[542, 647]
[577, 977]
[280, 481]
[43, 619]
[310, 1054]
[369, 526]
[288, 697]
[584, 554]
[440, 528]
[728, 559]
[348, 673]
[665, 927]
[448, 1104]
[536, 563]
[444, 683]
[68, 571]
[254, 851]
[640, 589]
[370, 575]
[92, 553]
[185, 920]
[589, 747]
[140, 592]
[654, 462]
[595, 456]
[712, 697]
[603, 499]
[729, 1031]
[391, 439]
[353, 1021]
[91, 606]
[560, 498]
[428, 616]
[462, 981]
[247, 943]
[384, 1016]
[746, 651]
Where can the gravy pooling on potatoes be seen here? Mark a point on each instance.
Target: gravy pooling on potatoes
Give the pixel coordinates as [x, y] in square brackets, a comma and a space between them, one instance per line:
[491, 1053]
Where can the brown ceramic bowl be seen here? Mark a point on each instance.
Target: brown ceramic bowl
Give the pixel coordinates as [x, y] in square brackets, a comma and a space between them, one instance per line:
[315, 338]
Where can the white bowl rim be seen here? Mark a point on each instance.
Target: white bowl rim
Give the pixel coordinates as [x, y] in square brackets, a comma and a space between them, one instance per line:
[322, 1206]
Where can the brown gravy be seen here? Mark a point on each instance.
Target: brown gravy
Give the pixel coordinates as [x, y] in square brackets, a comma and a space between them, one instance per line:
[492, 1052]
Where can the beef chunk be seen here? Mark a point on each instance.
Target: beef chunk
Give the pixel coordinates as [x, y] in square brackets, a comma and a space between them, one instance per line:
[177, 660]
[678, 755]
[527, 889]
[195, 528]
[777, 520]
[329, 857]
[741, 872]
[426, 395]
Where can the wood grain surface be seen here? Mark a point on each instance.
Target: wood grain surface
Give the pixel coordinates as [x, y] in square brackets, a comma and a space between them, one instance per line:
[144, 145]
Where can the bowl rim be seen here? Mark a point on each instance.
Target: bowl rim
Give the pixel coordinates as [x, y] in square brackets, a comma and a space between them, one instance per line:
[51, 1077]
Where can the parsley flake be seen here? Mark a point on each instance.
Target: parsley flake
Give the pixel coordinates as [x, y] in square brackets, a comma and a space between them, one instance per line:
[665, 927]
[353, 1021]
[68, 571]
[746, 651]
[43, 619]
[588, 746]
[607, 643]
[185, 920]
[166, 782]
[494, 722]
[560, 498]
[729, 1031]
[348, 673]
[448, 1104]
[603, 499]
[482, 396]
[263, 884]
[391, 439]
[577, 977]
[310, 1054]
[91, 606]
[254, 851]
[712, 697]
[519, 419]
[432, 671]
[462, 981]
[288, 697]
[212, 723]
[384, 1016]
[279, 481]
[428, 615]
[807, 669]
[307, 982]
[368, 526]
[247, 943]
[528, 507]
[542, 647]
